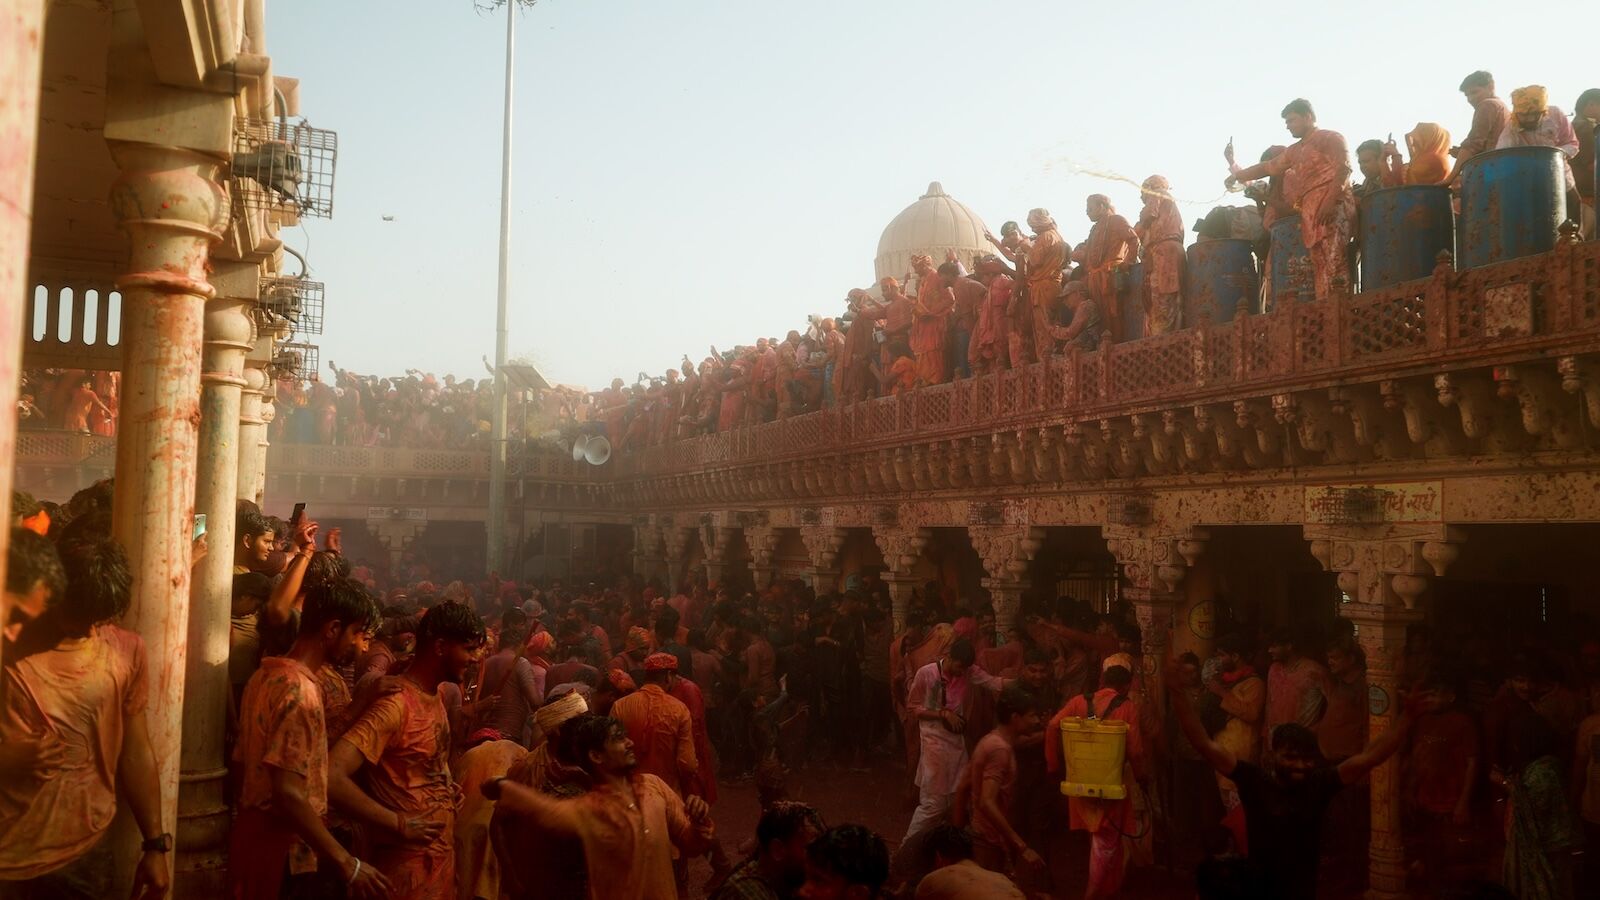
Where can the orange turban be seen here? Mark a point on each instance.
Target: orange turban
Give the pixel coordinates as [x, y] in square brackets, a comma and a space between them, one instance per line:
[889, 283]
[1531, 99]
[637, 639]
[622, 681]
[661, 662]
[540, 644]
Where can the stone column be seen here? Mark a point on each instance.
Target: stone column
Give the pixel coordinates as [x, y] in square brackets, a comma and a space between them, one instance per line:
[269, 411]
[763, 543]
[21, 51]
[202, 802]
[1154, 564]
[1006, 551]
[252, 431]
[1194, 617]
[646, 543]
[823, 543]
[901, 546]
[169, 202]
[1384, 569]
[677, 539]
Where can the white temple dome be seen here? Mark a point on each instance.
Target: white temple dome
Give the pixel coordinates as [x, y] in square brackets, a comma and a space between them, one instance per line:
[933, 225]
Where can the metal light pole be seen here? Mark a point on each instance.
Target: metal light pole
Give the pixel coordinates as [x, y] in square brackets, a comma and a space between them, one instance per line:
[497, 434]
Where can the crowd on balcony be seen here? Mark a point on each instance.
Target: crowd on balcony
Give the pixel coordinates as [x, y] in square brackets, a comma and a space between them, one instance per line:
[1038, 296]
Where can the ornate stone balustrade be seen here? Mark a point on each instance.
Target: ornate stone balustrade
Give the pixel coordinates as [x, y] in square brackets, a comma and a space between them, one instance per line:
[1528, 309]
[1459, 364]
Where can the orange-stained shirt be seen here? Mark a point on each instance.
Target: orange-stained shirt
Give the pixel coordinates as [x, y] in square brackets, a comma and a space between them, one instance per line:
[1160, 232]
[628, 836]
[335, 697]
[405, 739]
[1316, 177]
[662, 733]
[80, 693]
[282, 726]
[1047, 256]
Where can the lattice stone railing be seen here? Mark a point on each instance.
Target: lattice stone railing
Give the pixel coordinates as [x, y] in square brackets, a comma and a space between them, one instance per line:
[1523, 309]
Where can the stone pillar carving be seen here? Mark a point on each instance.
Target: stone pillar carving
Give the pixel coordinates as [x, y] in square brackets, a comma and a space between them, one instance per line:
[1384, 569]
[1154, 562]
[202, 801]
[252, 431]
[646, 550]
[763, 543]
[1006, 551]
[901, 547]
[822, 544]
[677, 539]
[716, 559]
[169, 202]
[22, 45]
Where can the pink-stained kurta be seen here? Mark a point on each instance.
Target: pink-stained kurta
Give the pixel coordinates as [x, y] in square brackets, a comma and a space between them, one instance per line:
[944, 752]
[990, 347]
[1316, 179]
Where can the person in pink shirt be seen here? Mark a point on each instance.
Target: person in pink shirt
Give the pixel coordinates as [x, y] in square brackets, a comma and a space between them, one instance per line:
[1489, 117]
[1535, 123]
[1294, 685]
[1316, 179]
[938, 701]
[986, 795]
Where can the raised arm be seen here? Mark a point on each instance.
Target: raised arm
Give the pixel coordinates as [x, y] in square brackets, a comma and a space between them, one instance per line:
[1217, 755]
[548, 812]
[1382, 747]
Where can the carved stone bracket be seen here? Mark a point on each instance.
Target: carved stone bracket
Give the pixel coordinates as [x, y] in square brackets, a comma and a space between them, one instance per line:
[1006, 550]
[1154, 557]
[1385, 565]
[901, 545]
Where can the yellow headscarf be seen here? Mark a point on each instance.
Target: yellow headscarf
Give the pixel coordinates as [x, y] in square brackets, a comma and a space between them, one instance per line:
[1531, 99]
[1429, 144]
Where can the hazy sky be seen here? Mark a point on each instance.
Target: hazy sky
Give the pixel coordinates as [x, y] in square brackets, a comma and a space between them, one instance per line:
[690, 172]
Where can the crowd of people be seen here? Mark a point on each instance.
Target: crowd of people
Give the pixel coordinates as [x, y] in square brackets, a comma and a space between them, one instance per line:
[1034, 297]
[417, 410]
[498, 739]
[1037, 295]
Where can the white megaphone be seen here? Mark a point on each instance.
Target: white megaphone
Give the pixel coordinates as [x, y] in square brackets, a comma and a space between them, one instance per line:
[578, 444]
[596, 451]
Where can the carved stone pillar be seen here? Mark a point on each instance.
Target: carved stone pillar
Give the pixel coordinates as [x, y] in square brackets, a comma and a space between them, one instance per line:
[170, 203]
[646, 547]
[22, 46]
[1384, 569]
[823, 543]
[202, 802]
[252, 432]
[901, 547]
[677, 539]
[716, 559]
[763, 543]
[1006, 551]
[1154, 562]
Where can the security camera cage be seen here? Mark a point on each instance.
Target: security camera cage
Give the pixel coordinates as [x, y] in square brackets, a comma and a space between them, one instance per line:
[297, 299]
[317, 150]
[297, 359]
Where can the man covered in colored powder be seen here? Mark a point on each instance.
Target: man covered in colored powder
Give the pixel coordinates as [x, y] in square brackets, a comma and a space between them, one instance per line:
[1316, 179]
[1160, 232]
[1105, 255]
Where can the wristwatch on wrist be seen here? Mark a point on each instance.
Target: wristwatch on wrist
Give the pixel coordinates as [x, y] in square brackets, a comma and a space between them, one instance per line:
[159, 844]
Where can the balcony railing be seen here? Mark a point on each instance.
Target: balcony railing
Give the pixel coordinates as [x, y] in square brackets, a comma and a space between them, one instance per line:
[1525, 308]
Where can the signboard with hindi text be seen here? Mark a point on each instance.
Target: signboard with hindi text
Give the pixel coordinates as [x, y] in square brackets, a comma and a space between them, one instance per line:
[1405, 501]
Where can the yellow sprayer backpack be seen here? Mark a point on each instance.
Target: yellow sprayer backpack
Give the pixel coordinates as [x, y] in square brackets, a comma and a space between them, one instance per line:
[1095, 749]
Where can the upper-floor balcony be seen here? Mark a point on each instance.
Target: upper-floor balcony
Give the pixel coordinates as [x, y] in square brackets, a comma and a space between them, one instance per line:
[1494, 360]
[1491, 366]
